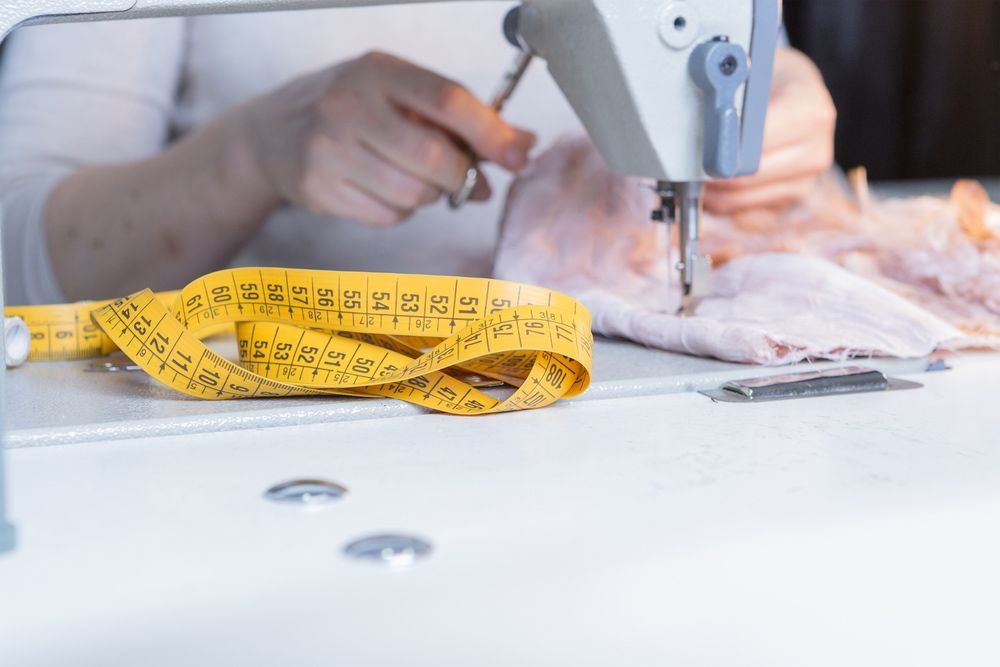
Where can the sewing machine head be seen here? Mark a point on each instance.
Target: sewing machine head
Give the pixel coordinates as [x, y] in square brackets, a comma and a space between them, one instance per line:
[664, 88]
[674, 91]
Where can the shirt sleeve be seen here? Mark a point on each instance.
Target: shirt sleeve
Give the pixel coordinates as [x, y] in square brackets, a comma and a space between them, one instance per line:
[72, 96]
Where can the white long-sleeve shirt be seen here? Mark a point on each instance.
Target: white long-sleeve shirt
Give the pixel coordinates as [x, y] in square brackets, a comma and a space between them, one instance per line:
[105, 93]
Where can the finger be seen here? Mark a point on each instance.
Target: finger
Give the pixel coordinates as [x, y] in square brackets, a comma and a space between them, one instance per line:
[787, 123]
[789, 163]
[456, 110]
[421, 150]
[775, 196]
[347, 200]
[369, 209]
[800, 111]
[386, 181]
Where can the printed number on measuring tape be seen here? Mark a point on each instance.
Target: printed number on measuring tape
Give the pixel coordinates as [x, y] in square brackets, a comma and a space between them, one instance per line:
[428, 340]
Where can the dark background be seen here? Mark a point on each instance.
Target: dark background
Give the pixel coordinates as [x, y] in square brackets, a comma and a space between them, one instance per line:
[916, 82]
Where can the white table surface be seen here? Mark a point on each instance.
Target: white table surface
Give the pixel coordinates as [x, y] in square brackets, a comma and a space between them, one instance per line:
[665, 529]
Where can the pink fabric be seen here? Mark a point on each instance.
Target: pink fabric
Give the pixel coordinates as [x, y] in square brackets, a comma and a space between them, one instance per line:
[831, 280]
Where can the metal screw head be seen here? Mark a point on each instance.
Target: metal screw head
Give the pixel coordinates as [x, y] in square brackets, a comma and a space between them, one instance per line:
[729, 65]
[306, 492]
[391, 550]
[679, 24]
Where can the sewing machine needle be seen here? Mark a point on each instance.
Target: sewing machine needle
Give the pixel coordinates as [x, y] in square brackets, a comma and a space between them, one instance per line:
[508, 84]
[672, 264]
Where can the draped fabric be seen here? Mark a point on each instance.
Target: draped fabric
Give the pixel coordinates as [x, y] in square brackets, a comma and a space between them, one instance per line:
[843, 275]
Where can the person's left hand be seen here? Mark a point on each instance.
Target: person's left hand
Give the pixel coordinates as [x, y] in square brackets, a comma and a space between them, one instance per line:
[798, 144]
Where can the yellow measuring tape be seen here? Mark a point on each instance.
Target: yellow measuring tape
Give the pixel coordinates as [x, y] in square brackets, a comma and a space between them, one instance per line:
[423, 339]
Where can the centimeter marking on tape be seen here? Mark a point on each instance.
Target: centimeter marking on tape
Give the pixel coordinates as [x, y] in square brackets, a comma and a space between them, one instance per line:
[305, 332]
[67, 332]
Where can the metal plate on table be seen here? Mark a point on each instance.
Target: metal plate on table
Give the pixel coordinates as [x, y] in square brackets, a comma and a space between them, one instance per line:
[830, 382]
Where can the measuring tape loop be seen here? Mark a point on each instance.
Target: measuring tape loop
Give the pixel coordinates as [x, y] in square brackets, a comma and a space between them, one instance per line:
[428, 340]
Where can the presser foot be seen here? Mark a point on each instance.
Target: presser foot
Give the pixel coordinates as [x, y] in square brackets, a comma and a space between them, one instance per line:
[680, 206]
[698, 288]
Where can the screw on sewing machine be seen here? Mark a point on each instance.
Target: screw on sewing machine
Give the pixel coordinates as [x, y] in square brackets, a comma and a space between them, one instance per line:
[309, 493]
[679, 24]
[392, 550]
[729, 65]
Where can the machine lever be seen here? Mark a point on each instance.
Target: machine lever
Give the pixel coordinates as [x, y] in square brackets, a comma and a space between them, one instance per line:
[719, 68]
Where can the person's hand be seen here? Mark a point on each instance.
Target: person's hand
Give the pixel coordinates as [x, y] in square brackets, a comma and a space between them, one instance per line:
[374, 139]
[798, 144]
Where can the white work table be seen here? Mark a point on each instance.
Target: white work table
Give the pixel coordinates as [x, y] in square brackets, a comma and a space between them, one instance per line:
[644, 530]
[640, 525]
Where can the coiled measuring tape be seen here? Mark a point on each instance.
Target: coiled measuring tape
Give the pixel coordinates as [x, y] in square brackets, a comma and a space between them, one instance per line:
[421, 339]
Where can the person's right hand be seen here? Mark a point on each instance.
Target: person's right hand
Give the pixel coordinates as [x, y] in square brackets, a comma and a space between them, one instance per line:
[374, 139]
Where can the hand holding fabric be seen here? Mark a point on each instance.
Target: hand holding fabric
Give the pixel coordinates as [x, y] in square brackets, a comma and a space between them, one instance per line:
[798, 144]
